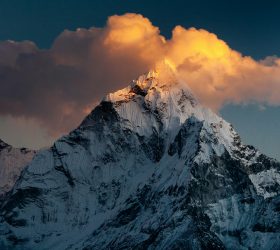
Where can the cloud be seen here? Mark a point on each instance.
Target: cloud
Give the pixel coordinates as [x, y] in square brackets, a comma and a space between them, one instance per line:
[21, 132]
[218, 75]
[58, 86]
[10, 50]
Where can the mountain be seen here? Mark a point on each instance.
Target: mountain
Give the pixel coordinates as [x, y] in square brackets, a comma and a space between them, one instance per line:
[148, 168]
[12, 162]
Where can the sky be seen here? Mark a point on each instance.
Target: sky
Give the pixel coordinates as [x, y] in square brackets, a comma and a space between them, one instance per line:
[53, 65]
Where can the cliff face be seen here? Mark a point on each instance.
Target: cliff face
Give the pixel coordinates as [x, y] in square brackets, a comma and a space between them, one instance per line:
[149, 168]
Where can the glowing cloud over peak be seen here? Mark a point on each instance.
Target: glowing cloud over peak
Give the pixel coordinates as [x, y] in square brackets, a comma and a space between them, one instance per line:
[83, 65]
[195, 43]
[129, 29]
[133, 33]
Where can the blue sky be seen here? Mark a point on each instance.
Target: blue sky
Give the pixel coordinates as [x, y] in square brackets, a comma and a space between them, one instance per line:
[250, 27]
[247, 26]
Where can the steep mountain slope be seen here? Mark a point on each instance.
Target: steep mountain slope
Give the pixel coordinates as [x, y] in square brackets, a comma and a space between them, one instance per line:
[12, 161]
[149, 168]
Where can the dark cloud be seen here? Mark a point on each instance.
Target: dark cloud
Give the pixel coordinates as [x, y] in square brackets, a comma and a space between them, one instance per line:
[10, 50]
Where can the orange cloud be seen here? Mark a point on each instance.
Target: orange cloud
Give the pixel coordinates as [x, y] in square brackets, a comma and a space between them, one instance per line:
[218, 74]
[134, 35]
[83, 65]
[131, 29]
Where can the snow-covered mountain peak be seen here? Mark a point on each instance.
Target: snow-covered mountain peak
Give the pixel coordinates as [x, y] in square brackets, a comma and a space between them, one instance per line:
[157, 95]
[158, 82]
[157, 105]
[160, 90]
[163, 75]
[149, 168]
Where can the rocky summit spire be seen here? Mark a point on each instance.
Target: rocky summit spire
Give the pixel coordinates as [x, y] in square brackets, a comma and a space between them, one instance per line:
[163, 74]
[159, 82]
